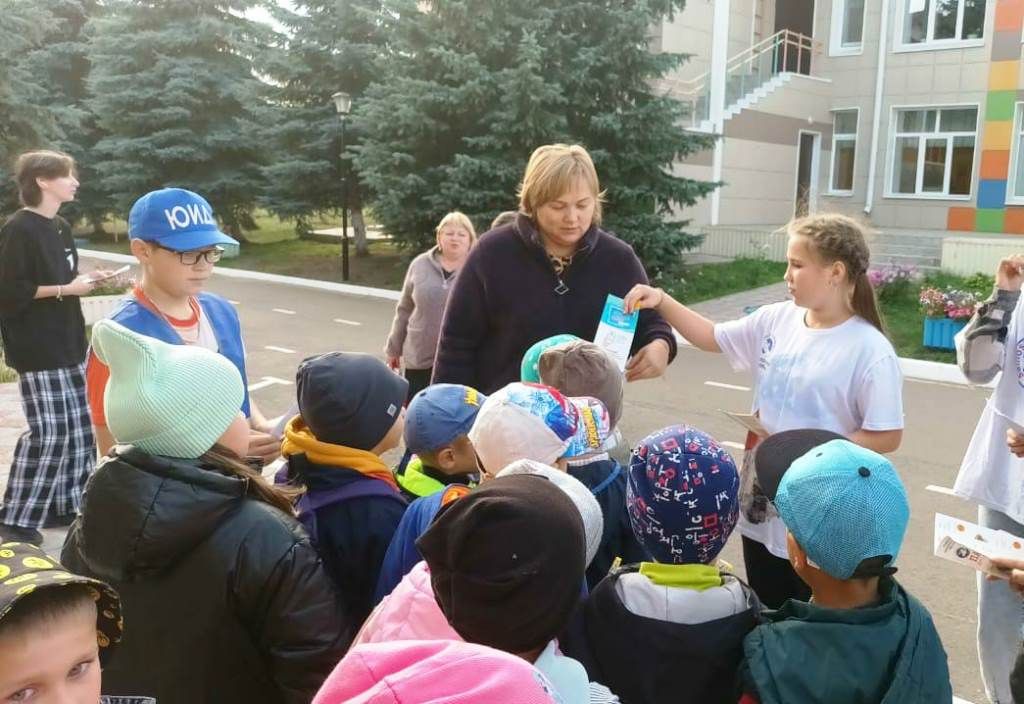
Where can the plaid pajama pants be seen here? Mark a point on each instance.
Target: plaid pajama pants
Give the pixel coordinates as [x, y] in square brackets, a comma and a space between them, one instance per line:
[57, 453]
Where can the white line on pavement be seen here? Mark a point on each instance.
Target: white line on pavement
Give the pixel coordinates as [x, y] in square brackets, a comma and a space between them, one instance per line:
[940, 490]
[283, 310]
[733, 445]
[268, 381]
[275, 348]
[347, 322]
[234, 303]
[722, 385]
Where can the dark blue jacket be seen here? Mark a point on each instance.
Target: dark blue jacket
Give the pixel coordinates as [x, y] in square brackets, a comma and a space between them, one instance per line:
[352, 536]
[607, 481]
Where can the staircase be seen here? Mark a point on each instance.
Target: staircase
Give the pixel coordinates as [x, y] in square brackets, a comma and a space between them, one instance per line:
[920, 249]
[749, 77]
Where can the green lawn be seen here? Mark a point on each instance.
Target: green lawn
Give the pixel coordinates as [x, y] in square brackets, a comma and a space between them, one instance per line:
[702, 282]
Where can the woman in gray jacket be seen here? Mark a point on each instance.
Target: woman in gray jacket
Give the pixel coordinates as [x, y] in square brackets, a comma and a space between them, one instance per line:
[417, 323]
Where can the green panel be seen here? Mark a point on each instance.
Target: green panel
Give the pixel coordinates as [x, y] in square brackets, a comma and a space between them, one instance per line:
[999, 105]
[989, 220]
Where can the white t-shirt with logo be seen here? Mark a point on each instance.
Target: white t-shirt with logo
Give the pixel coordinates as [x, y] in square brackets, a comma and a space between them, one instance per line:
[844, 379]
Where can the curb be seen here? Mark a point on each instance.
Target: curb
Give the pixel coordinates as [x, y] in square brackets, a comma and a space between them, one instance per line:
[918, 369]
[349, 289]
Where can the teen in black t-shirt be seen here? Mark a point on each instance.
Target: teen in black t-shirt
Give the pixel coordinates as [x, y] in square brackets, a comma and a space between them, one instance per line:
[44, 341]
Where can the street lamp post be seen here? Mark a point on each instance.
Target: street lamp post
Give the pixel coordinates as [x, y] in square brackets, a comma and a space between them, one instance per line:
[343, 105]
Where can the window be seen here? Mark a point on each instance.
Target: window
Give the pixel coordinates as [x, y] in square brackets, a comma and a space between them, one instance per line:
[847, 27]
[1015, 189]
[844, 147]
[942, 22]
[933, 151]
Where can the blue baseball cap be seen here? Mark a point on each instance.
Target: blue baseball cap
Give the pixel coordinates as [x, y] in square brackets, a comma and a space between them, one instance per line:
[175, 219]
[439, 414]
[847, 508]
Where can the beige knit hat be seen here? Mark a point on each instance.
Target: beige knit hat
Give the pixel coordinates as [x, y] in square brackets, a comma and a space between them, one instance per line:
[169, 400]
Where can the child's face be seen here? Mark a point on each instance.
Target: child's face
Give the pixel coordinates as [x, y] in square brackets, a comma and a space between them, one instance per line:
[812, 283]
[164, 269]
[57, 663]
[62, 188]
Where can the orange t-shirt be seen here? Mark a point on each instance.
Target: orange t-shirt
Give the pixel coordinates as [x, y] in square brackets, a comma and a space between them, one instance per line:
[96, 372]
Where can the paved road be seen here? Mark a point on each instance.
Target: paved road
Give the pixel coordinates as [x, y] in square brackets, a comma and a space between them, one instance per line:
[283, 324]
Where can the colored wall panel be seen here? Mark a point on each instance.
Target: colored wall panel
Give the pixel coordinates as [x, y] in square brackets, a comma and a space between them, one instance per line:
[997, 135]
[1002, 75]
[960, 219]
[995, 164]
[999, 104]
[1009, 16]
[989, 220]
[992, 194]
[1014, 221]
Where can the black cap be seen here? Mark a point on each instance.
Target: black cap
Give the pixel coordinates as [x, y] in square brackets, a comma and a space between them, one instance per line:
[777, 452]
[349, 399]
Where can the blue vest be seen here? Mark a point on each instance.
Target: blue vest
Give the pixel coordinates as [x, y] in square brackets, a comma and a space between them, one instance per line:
[221, 315]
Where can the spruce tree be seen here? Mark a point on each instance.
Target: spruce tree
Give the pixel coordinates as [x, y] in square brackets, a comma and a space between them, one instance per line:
[473, 87]
[328, 46]
[173, 89]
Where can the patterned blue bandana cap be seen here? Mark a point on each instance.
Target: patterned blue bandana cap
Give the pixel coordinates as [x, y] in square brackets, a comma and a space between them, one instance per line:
[681, 493]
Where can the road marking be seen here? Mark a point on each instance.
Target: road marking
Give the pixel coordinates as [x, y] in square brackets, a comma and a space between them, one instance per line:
[733, 445]
[275, 348]
[721, 385]
[347, 322]
[268, 381]
[283, 310]
[941, 490]
[234, 303]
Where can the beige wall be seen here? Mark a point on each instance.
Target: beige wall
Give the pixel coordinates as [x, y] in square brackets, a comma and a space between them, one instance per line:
[689, 32]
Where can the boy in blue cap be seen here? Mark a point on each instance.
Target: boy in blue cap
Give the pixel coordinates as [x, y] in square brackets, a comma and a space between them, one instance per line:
[862, 638]
[437, 424]
[671, 629]
[175, 237]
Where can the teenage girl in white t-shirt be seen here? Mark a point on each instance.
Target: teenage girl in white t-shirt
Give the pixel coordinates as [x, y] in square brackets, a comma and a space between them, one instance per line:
[819, 361]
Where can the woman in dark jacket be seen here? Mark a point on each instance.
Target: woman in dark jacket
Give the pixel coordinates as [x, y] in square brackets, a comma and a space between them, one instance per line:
[547, 273]
[225, 597]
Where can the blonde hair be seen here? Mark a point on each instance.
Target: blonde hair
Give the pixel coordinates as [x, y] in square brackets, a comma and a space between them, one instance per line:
[458, 220]
[839, 238]
[551, 171]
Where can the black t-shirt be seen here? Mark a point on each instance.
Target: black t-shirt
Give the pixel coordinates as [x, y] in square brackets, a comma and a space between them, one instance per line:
[46, 333]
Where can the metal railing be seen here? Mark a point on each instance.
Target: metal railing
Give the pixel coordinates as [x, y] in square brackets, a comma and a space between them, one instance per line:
[785, 51]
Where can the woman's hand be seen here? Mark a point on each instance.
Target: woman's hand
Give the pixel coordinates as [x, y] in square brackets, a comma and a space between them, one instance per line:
[643, 296]
[264, 445]
[649, 362]
[1016, 570]
[81, 286]
[395, 363]
[1008, 273]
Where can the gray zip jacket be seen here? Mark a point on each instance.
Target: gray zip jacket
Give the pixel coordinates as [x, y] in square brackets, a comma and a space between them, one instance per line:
[417, 322]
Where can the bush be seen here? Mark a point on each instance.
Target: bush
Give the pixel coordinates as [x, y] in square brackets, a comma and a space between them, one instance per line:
[892, 281]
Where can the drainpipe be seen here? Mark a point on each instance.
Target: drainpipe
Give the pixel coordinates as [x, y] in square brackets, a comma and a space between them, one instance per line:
[716, 95]
[876, 119]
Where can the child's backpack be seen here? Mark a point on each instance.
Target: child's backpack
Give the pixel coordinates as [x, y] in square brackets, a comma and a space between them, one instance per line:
[310, 502]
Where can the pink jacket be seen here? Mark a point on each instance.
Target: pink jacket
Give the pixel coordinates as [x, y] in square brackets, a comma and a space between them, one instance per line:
[409, 612]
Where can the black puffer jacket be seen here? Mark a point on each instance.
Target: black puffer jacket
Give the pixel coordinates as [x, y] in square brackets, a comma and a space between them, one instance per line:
[224, 598]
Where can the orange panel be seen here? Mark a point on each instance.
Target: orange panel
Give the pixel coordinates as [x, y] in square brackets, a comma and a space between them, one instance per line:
[1009, 15]
[995, 164]
[960, 219]
[1014, 221]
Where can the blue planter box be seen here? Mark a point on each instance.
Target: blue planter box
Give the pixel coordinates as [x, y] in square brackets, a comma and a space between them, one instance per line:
[939, 332]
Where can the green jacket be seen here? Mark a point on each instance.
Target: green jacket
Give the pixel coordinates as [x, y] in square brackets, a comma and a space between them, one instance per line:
[889, 653]
[415, 482]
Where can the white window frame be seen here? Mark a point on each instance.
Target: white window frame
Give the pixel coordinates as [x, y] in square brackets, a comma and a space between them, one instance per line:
[835, 43]
[934, 44]
[1015, 144]
[890, 153]
[832, 158]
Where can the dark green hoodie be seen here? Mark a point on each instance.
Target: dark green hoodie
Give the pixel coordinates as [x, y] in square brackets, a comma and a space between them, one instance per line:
[889, 653]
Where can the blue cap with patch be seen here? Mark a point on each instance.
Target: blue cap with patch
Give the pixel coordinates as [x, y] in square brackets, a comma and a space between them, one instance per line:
[847, 508]
[439, 414]
[175, 219]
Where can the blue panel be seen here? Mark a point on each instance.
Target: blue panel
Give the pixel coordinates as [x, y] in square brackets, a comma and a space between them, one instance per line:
[992, 194]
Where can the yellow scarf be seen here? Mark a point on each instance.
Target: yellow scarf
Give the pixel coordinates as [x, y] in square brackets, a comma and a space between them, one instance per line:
[299, 440]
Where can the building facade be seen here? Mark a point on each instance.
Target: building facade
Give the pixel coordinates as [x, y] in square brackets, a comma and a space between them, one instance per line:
[908, 113]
